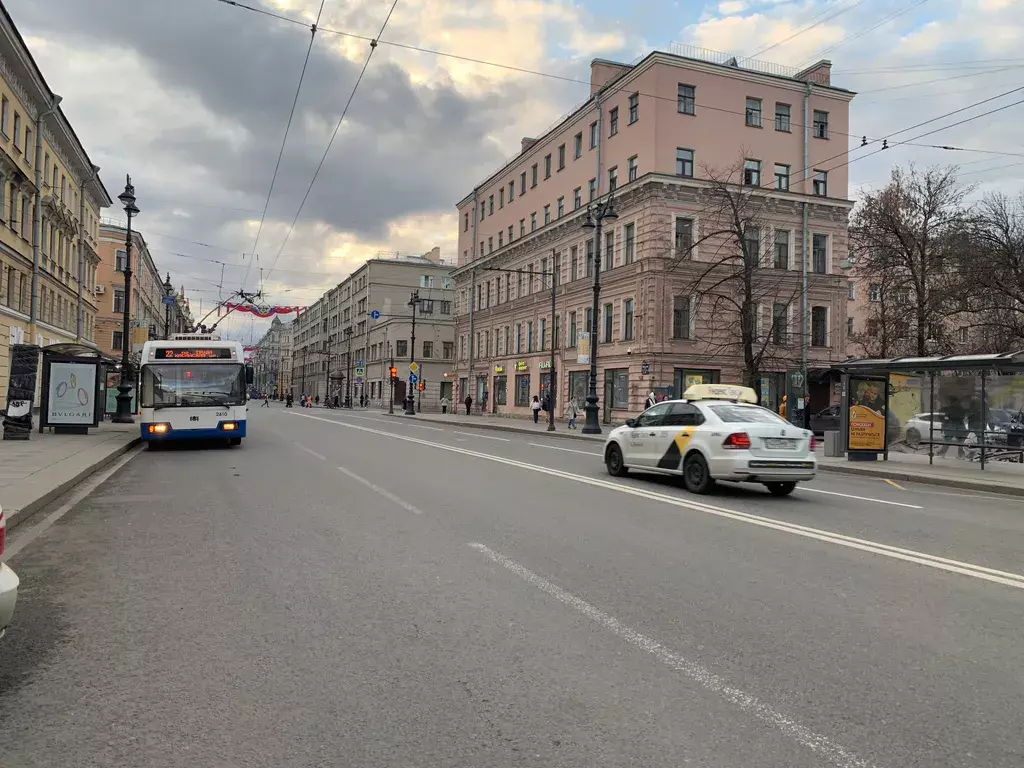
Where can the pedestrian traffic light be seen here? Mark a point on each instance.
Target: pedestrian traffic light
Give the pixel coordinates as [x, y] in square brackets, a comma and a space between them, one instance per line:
[394, 372]
[422, 386]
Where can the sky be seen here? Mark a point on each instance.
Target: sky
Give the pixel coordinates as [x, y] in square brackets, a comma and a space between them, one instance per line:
[192, 98]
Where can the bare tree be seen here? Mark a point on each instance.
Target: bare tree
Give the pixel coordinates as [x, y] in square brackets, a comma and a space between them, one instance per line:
[734, 276]
[905, 234]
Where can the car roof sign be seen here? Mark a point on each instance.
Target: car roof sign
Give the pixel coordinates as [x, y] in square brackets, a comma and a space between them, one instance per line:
[730, 392]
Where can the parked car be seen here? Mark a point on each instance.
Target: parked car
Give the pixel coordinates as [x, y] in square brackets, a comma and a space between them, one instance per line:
[920, 426]
[827, 420]
[8, 582]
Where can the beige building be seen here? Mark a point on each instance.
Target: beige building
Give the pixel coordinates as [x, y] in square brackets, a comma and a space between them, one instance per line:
[272, 360]
[663, 135]
[340, 330]
[51, 199]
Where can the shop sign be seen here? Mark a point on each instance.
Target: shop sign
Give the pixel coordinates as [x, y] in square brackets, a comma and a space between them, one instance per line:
[545, 365]
[522, 366]
[499, 369]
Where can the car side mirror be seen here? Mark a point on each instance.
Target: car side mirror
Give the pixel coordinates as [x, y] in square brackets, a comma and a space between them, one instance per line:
[631, 423]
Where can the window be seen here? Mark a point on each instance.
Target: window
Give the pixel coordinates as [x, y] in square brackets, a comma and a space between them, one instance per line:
[849, 327]
[592, 189]
[483, 211]
[588, 318]
[874, 292]
[819, 254]
[120, 258]
[571, 341]
[781, 260]
[609, 252]
[561, 207]
[634, 108]
[522, 227]
[753, 112]
[5, 112]
[519, 338]
[547, 166]
[627, 320]
[533, 221]
[533, 176]
[116, 339]
[577, 198]
[501, 239]
[681, 325]
[577, 146]
[820, 124]
[629, 246]
[613, 121]
[684, 237]
[851, 293]
[28, 145]
[490, 205]
[511, 191]
[684, 163]
[961, 335]
[590, 261]
[782, 177]
[401, 348]
[782, 117]
[522, 390]
[17, 133]
[426, 308]
[547, 214]
[490, 244]
[821, 183]
[465, 223]
[613, 178]
[752, 173]
[751, 245]
[819, 326]
[529, 334]
[780, 323]
[608, 313]
[593, 134]
[428, 349]
[687, 99]
[631, 164]
[522, 183]
[556, 336]
[573, 262]
[501, 197]
[543, 334]
[510, 233]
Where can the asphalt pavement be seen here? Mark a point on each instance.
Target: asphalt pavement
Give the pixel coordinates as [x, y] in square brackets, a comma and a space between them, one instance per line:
[352, 589]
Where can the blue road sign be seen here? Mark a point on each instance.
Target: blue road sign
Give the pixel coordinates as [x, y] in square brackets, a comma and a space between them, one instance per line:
[413, 378]
[360, 364]
[375, 314]
[645, 368]
[168, 300]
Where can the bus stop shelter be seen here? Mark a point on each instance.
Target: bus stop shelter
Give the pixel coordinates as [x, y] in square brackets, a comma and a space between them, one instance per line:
[972, 405]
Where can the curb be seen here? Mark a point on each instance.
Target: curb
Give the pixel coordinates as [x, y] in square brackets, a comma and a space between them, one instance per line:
[565, 435]
[910, 477]
[19, 516]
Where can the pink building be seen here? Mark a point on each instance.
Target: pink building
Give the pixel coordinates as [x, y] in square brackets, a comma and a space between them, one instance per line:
[671, 138]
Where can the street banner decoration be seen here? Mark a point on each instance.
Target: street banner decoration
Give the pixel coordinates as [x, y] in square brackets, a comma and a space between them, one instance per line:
[261, 312]
[867, 415]
[583, 348]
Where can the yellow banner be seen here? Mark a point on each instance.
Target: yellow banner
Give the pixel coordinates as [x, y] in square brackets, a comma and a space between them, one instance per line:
[867, 429]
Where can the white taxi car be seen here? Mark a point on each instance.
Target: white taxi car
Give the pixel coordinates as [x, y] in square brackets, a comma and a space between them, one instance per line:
[716, 432]
[8, 582]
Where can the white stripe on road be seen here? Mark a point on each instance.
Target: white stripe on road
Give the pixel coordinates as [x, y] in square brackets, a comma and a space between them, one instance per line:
[815, 742]
[485, 437]
[861, 498]
[897, 553]
[311, 452]
[377, 489]
[567, 450]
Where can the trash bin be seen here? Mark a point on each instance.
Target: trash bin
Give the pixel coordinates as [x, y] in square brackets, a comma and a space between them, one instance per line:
[833, 445]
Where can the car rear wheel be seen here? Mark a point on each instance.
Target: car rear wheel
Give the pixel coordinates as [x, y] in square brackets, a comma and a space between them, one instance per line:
[780, 489]
[614, 461]
[913, 438]
[697, 476]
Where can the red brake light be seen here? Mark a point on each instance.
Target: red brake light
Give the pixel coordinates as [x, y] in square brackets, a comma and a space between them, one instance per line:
[737, 440]
[3, 531]
[814, 443]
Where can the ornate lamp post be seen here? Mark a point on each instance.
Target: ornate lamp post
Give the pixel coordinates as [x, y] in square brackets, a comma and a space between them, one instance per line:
[168, 294]
[124, 386]
[595, 216]
[410, 400]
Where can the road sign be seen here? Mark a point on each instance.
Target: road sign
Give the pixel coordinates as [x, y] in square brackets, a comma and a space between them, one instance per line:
[413, 378]
[169, 300]
[360, 363]
[375, 314]
[414, 367]
[645, 368]
[360, 374]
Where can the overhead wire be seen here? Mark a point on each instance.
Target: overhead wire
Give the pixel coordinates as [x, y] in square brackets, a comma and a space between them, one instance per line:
[809, 27]
[850, 38]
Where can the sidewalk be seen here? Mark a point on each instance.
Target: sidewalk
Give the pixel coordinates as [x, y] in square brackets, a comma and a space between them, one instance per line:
[998, 477]
[35, 472]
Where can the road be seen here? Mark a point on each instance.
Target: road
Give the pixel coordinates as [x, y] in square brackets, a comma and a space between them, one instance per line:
[353, 589]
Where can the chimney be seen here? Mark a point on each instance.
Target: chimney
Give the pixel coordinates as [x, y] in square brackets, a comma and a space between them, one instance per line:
[434, 254]
[603, 72]
[819, 74]
[528, 142]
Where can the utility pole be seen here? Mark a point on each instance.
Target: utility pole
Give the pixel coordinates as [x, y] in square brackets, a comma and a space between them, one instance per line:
[410, 402]
[348, 369]
[391, 378]
[552, 379]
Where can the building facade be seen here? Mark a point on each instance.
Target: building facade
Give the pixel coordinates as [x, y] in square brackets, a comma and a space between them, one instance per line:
[340, 331]
[682, 145]
[51, 200]
[272, 361]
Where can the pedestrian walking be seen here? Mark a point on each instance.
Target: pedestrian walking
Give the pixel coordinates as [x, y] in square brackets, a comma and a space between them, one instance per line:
[535, 405]
[546, 402]
[317, 399]
[571, 411]
[469, 404]
[266, 402]
[783, 406]
[652, 400]
[445, 402]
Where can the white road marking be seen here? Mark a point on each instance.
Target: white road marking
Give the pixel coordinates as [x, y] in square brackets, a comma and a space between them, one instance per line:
[567, 450]
[310, 451]
[897, 553]
[22, 540]
[485, 437]
[385, 493]
[860, 498]
[815, 742]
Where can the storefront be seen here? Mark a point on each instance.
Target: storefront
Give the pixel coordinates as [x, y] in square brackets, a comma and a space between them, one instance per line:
[684, 378]
[523, 392]
[499, 387]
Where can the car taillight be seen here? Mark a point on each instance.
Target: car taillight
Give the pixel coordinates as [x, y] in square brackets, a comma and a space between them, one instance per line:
[814, 443]
[3, 531]
[737, 440]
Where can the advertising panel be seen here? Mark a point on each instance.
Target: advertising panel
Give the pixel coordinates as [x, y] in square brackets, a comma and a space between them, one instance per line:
[867, 414]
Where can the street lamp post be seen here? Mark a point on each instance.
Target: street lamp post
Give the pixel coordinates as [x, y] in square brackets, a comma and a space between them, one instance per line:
[124, 387]
[410, 400]
[595, 216]
[168, 294]
[348, 369]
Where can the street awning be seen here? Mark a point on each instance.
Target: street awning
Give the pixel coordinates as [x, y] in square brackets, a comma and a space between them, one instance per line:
[1009, 362]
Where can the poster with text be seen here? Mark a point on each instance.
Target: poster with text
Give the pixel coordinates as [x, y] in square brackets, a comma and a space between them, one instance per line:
[583, 348]
[72, 399]
[867, 415]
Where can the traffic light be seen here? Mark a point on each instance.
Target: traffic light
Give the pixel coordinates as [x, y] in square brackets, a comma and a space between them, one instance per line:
[394, 372]
[422, 385]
